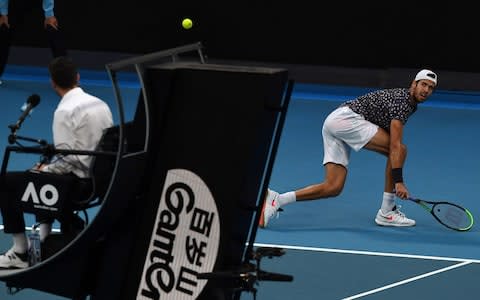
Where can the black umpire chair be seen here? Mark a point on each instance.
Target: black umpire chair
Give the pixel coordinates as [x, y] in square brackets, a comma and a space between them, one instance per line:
[62, 197]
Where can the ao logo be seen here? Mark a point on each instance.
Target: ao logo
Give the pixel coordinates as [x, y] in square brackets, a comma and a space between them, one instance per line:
[48, 194]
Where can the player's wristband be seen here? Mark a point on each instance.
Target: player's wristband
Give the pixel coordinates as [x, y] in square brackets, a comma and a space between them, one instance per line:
[397, 175]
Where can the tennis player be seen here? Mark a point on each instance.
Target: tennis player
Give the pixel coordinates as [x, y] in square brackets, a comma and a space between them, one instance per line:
[375, 122]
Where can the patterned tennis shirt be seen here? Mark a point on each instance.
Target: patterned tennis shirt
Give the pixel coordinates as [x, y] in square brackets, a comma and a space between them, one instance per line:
[382, 106]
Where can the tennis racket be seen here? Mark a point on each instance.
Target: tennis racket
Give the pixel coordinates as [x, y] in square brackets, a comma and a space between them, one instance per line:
[448, 214]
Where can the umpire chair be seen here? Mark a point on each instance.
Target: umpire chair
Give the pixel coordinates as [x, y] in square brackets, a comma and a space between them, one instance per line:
[75, 195]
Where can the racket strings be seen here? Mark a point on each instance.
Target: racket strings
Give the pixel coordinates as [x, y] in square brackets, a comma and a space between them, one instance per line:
[452, 216]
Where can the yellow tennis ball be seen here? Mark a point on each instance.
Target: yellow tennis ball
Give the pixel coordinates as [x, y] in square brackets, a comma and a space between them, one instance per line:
[187, 23]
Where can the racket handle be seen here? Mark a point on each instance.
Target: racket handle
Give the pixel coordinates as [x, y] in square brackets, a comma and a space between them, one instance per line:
[408, 198]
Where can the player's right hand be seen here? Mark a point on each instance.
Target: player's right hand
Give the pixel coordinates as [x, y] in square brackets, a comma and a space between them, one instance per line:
[51, 21]
[4, 21]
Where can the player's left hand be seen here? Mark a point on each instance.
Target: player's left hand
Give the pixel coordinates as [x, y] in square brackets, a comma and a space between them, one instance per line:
[401, 190]
[51, 21]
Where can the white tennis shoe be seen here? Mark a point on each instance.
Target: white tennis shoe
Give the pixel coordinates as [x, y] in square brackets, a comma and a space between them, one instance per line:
[393, 218]
[13, 260]
[269, 209]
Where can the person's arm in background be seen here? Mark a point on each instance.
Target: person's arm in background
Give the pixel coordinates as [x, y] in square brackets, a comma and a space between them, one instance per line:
[50, 19]
[4, 7]
[4, 13]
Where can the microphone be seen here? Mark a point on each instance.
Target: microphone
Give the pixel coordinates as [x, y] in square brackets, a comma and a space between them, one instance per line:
[32, 101]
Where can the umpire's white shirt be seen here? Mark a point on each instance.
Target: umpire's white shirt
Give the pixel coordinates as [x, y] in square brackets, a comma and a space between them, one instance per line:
[78, 124]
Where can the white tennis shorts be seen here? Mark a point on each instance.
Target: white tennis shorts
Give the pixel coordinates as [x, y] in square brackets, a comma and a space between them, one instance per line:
[344, 129]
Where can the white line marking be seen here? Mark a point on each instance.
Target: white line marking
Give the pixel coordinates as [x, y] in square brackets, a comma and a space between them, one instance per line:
[407, 281]
[27, 228]
[455, 259]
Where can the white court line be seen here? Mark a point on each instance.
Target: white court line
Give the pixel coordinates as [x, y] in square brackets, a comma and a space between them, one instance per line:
[30, 228]
[407, 280]
[462, 262]
[477, 261]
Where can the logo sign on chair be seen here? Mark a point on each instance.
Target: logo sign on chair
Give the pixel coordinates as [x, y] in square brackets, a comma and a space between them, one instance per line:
[44, 193]
[45, 198]
[185, 239]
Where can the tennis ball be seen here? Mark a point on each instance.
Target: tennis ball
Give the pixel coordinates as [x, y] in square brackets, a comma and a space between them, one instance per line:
[187, 23]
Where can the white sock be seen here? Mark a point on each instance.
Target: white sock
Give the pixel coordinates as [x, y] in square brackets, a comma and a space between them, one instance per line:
[20, 243]
[44, 230]
[286, 198]
[388, 202]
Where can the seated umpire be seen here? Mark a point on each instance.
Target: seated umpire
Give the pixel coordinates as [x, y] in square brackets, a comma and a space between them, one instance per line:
[78, 124]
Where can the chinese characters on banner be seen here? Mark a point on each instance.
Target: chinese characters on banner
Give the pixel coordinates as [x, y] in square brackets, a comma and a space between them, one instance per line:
[184, 241]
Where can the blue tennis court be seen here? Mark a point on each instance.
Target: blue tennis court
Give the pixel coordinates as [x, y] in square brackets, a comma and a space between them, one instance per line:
[333, 247]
